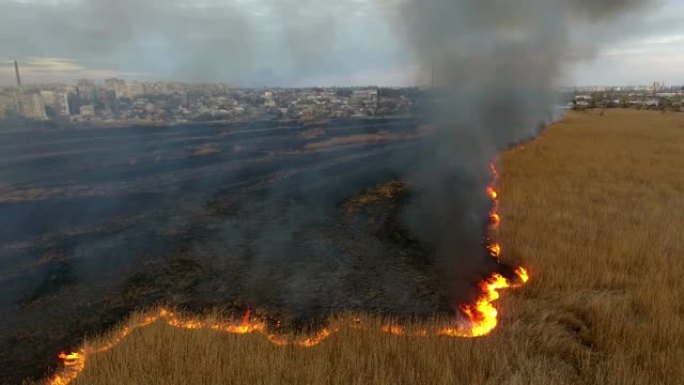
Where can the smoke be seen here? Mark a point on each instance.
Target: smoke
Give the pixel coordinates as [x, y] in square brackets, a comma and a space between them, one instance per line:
[496, 66]
[260, 218]
[495, 63]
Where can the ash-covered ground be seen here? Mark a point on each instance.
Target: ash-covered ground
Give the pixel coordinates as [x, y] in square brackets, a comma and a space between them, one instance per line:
[295, 221]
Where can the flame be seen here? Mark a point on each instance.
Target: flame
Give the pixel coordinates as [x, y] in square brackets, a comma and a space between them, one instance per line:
[479, 318]
[492, 193]
[521, 272]
[494, 219]
[494, 171]
[494, 250]
[246, 317]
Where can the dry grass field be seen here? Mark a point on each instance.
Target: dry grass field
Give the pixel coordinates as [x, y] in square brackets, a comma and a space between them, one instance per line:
[594, 209]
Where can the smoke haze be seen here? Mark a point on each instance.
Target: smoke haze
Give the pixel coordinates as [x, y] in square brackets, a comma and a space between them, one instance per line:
[128, 218]
[496, 68]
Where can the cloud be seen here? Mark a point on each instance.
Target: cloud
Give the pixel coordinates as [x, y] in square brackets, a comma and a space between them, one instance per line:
[49, 70]
[52, 65]
[234, 41]
[262, 42]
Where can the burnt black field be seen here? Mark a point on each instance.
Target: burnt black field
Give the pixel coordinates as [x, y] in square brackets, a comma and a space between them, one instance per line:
[98, 222]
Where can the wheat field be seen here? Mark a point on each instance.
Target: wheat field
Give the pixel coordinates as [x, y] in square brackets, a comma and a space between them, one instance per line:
[594, 209]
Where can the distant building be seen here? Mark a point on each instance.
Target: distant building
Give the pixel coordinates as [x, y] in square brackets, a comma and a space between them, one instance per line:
[8, 104]
[32, 106]
[117, 86]
[87, 111]
[652, 102]
[268, 99]
[365, 100]
[134, 90]
[86, 86]
[57, 100]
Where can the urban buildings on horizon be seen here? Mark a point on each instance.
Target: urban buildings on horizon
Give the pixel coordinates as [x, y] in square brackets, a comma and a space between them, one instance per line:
[117, 100]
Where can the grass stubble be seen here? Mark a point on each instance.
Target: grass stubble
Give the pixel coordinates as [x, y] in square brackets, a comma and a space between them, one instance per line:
[594, 209]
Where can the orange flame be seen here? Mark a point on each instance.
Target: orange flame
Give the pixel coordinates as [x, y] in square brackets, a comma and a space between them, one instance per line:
[494, 219]
[246, 317]
[492, 193]
[480, 317]
[494, 250]
[521, 272]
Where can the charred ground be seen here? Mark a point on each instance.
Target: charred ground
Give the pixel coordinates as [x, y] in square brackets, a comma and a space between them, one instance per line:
[295, 221]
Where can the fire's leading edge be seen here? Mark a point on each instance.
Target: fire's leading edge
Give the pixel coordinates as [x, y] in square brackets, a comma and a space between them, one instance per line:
[478, 318]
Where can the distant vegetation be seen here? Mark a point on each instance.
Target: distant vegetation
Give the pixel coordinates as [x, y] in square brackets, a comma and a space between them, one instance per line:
[657, 101]
[594, 208]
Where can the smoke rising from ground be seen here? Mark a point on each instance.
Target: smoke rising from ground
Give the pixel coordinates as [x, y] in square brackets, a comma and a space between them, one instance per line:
[496, 65]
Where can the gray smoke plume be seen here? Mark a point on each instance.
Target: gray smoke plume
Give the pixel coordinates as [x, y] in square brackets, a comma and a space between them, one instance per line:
[496, 65]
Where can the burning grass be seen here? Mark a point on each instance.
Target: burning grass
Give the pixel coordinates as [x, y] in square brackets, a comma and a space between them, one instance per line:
[594, 208]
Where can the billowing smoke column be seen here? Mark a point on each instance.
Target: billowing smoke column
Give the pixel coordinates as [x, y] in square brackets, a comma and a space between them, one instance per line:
[495, 66]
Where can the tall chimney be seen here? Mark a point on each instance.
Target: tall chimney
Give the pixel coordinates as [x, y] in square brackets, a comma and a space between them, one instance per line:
[16, 71]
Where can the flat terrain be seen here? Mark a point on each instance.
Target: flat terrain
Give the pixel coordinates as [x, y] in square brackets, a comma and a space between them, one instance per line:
[95, 223]
[593, 208]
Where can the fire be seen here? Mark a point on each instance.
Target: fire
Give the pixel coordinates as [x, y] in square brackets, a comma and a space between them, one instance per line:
[492, 193]
[494, 219]
[482, 315]
[522, 274]
[479, 318]
[314, 339]
[246, 317]
[73, 363]
[494, 171]
[494, 250]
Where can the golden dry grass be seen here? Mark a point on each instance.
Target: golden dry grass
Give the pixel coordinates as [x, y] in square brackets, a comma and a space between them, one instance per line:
[595, 209]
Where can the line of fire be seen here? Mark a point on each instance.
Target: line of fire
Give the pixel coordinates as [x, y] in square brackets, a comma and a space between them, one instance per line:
[476, 319]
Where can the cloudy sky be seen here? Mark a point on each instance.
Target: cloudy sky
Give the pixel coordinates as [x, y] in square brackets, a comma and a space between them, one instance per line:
[285, 42]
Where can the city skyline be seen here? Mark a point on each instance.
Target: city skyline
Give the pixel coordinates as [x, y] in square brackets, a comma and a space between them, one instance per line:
[252, 43]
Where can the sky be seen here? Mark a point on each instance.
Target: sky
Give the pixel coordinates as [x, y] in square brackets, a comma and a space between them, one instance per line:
[288, 43]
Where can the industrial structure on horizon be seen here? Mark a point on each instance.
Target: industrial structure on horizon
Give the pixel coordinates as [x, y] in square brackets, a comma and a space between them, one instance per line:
[16, 71]
[19, 102]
